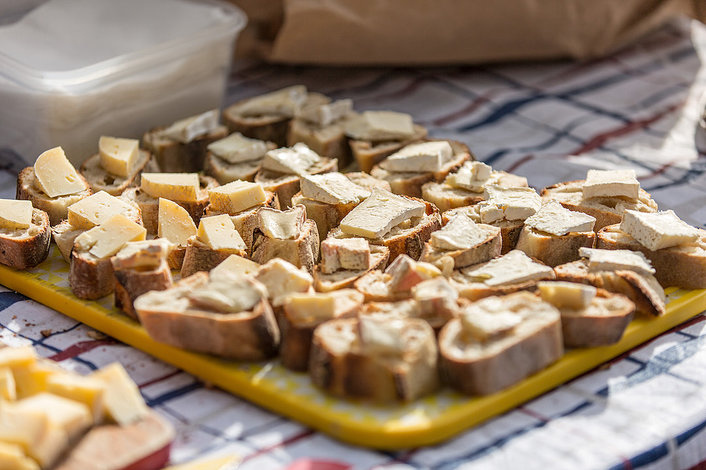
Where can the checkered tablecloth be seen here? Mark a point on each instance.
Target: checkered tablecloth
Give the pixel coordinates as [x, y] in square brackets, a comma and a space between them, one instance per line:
[550, 122]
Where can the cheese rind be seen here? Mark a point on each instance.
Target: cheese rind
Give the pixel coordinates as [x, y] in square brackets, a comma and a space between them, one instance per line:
[96, 209]
[472, 176]
[236, 196]
[555, 219]
[567, 294]
[15, 214]
[614, 260]
[295, 160]
[55, 175]
[174, 186]
[285, 102]
[380, 125]
[118, 156]
[419, 157]
[122, 402]
[379, 213]
[109, 237]
[218, 232]
[332, 188]
[174, 223]
[514, 267]
[188, 129]
[611, 183]
[327, 113]
[236, 148]
[344, 253]
[658, 230]
[461, 233]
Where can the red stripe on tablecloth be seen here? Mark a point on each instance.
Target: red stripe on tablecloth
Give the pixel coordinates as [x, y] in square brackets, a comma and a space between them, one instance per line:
[159, 379]
[80, 348]
[285, 442]
[406, 90]
[468, 109]
[699, 466]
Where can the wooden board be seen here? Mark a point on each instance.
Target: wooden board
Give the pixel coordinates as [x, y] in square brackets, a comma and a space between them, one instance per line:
[268, 384]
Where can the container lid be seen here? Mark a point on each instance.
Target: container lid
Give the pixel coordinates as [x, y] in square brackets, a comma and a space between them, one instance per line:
[64, 43]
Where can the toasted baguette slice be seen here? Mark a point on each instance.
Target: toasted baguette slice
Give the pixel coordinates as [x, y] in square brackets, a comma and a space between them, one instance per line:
[130, 283]
[484, 251]
[27, 247]
[553, 250]
[176, 157]
[366, 181]
[225, 172]
[302, 252]
[90, 277]
[101, 180]
[55, 207]
[272, 128]
[606, 210]
[509, 229]
[201, 257]
[328, 141]
[344, 278]
[446, 197]
[326, 216]
[410, 308]
[679, 266]
[410, 183]
[286, 186]
[171, 317]
[368, 153]
[375, 286]
[342, 365]
[601, 323]
[641, 288]
[483, 366]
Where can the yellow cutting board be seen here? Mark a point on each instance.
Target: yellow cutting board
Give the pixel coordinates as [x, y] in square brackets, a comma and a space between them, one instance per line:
[268, 384]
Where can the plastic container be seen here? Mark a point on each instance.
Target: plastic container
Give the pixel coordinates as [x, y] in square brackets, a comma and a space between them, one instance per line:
[114, 85]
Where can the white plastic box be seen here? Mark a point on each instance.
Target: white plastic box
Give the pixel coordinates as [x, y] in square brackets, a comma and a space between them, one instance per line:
[108, 82]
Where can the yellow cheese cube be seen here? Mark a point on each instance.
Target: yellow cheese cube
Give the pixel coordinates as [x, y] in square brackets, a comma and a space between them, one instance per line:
[86, 390]
[109, 237]
[8, 390]
[174, 186]
[236, 196]
[174, 223]
[33, 379]
[12, 457]
[71, 416]
[96, 209]
[32, 431]
[218, 232]
[15, 214]
[55, 175]
[122, 401]
[118, 156]
[22, 356]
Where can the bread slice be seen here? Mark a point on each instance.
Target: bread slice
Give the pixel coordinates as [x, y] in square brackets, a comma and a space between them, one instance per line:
[272, 128]
[368, 153]
[328, 141]
[476, 366]
[410, 183]
[603, 322]
[225, 172]
[641, 288]
[327, 216]
[198, 256]
[55, 207]
[90, 277]
[176, 157]
[101, 180]
[553, 250]
[130, 283]
[375, 286]
[345, 278]
[447, 197]
[27, 247]
[485, 250]
[679, 266]
[173, 317]
[509, 229]
[366, 181]
[343, 365]
[606, 210]
[286, 186]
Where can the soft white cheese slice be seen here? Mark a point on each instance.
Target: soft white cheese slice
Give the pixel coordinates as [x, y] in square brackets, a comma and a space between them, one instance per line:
[379, 213]
[615, 260]
[295, 160]
[96, 209]
[109, 237]
[332, 188]
[236, 196]
[508, 203]
[285, 102]
[611, 183]
[486, 321]
[186, 130]
[381, 335]
[472, 176]
[658, 230]
[284, 225]
[55, 175]
[563, 294]
[236, 148]
[514, 267]
[555, 219]
[15, 214]
[380, 125]
[420, 157]
[118, 156]
[174, 186]
[219, 233]
[227, 293]
[326, 114]
[461, 233]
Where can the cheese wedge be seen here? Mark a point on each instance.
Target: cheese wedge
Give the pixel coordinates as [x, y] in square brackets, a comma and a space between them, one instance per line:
[174, 223]
[12, 457]
[237, 265]
[326, 114]
[379, 213]
[218, 232]
[118, 156]
[15, 214]
[174, 186]
[567, 294]
[236, 196]
[611, 183]
[555, 219]
[420, 157]
[658, 230]
[71, 416]
[188, 129]
[332, 188]
[293, 160]
[380, 125]
[22, 356]
[109, 237]
[86, 390]
[96, 209]
[236, 148]
[122, 402]
[55, 175]
[285, 102]
[8, 390]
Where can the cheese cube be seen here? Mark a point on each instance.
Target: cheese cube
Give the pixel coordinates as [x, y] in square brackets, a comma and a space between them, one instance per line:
[32, 430]
[122, 402]
[96, 209]
[332, 188]
[379, 213]
[344, 253]
[55, 175]
[461, 233]
[8, 390]
[555, 219]
[188, 129]
[567, 294]
[381, 125]
[317, 307]
[326, 114]
[71, 416]
[285, 102]
[471, 176]
[109, 237]
[381, 336]
[174, 223]
[236, 148]
[12, 457]
[118, 156]
[218, 232]
[33, 379]
[173, 186]
[294, 160]
[614, 260]
[284, 225]
[512, 268]
[15, 214]
[281, 278]
[420, 157]
[237, 265]
[407, 273]
[142, 254]
[86, 390]
[236, 196]
[611, 183]
[658, 230]
[21, 356]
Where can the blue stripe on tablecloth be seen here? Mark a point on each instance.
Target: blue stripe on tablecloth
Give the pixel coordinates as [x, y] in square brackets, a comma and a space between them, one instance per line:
[10, 298]
[170, 395]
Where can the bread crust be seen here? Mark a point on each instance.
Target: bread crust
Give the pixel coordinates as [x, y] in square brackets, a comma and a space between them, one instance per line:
[176, 157]
[90, 278]
[553, 250]
[101, 180]
[26, 248]
[367, 153]
[225, 172]
[446, 197]
[268, 128]
[602, 324]
[329, 141]
[132, 283]
[57, 207]
[200, 257]
[488, 249]
[509, 229]
[286, 186]
[344, 278]
[302, 252]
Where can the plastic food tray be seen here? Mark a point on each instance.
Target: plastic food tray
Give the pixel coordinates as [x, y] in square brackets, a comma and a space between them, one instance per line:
[268, 384]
